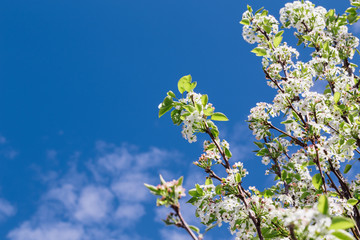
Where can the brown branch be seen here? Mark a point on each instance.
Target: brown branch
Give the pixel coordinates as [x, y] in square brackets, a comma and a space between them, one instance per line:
[292, 137]
[183, 222]
[292, 232]
[208, 131]
[212, 174]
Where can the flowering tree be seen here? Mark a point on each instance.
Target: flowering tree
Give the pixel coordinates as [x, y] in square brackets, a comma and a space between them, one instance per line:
[309, 153]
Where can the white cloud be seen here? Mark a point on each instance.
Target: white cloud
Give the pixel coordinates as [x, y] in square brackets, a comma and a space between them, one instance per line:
[101, 201]
[130, 187]
[65, 194]
[2, 139]
[94, 204]
[130, 212]
[6, 209]
[57, 231]
[178, 234]
[11, 153]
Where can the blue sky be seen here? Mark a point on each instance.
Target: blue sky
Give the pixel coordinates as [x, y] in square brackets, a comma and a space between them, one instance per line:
[80, 82]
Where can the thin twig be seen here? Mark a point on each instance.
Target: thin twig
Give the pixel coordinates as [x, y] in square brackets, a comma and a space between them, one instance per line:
[183, 222]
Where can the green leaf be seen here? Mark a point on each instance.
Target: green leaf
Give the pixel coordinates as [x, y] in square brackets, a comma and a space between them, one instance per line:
[192, 86]
[339, 222]
[279, 33]
[262, 152]
[259, 144]
[352, 18]
[228, 153]
[180, 181]
[195, 229]
[347, 168]
[218, 116]
[350, 142]
[192, 200]
[164, 109]
[199, 190]
[245, 21]
[175, 116]
[189, 108]
[215, 132]
[304, 195]
[308, 38]
[259, 51]
[186, 80]
[204, 99]
[152, 188]
[171, 94]
[193, 193]
[336, 97]
[208, 111]
[208, 181]
[326, 91]
[317, 181]
[323, 205]
[343, 235]
[198, 107]
[218, 189]
[277, 41]
[269, 233]
[238, 177]
[267, 29]
[287, 121]
[352, 201]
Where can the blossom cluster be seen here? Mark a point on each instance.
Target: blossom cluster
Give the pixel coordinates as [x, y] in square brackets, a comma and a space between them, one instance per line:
[309, 150]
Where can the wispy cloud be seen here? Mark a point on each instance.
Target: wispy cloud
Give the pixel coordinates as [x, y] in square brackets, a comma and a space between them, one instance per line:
[51, 154]
[47, 231]
[2, 139]
[6, 209]
[100, 201]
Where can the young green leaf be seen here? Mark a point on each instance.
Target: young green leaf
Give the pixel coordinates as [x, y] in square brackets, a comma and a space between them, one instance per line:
[218, 116]
[259, 51]
[343, 235]
[152, 188]
[317, 181]
[208, 181]
[238, 177]
[175, 116]
[204, 99]
[199, 190]
[171, 94]
[323, 205]
[195, 229]
[186, 80]
[277, 41]
[339, 222]
[180, 181]
[208, 111]
[279, 33]
[259, 144]
[336, 97]
[193, 193]
[245, 21]
[352, 201]
[347, 168]
[164, 109]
